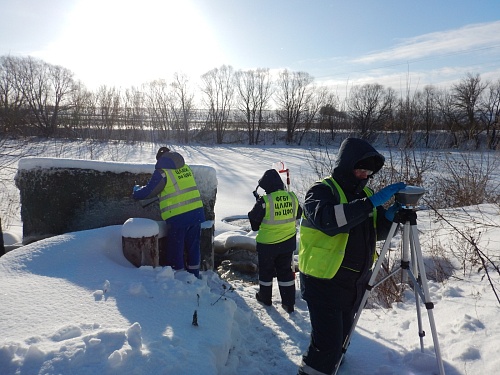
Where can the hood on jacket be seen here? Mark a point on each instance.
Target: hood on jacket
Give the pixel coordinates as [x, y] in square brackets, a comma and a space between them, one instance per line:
[170, 160]
[161, 151]
[271, 181]
[356, 153]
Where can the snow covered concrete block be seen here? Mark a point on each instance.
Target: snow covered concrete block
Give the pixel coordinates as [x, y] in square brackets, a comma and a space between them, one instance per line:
[140, 242]
[66, 195]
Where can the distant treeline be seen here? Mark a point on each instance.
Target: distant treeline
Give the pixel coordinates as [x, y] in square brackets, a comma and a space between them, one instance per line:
[251, 107]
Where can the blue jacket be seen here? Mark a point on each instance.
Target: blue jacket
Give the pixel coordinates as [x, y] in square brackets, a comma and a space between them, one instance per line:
[169, 160]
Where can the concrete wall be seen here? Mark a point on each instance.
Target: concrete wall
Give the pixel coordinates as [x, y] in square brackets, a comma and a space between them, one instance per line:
[66, 195]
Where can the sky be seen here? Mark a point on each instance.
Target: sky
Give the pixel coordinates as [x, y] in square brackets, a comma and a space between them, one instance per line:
[123, 43]
[72, 304]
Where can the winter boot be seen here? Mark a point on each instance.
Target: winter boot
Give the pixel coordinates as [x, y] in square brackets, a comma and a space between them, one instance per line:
[262, 300]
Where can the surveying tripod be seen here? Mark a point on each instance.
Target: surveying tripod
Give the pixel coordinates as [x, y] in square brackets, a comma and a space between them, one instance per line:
[412, 266]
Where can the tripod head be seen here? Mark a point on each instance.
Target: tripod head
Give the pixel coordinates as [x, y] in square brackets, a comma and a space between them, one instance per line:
[408, 199]
[409, 196]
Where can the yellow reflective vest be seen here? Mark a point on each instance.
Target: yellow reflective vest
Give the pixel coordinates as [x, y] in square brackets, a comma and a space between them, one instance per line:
[278, 224]
[321, 255]
[180, 193]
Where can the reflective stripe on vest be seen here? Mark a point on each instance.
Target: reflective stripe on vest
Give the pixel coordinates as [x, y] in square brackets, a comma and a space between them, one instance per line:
[180, 193]
[321, 255]
[279, 220]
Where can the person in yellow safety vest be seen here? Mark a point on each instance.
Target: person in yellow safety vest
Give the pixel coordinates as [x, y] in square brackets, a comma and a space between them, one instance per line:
[180, 206]
[341, 223]
[274, 216]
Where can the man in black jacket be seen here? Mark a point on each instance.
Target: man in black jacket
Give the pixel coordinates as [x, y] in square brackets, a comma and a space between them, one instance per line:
[274, 216]
[342, 221]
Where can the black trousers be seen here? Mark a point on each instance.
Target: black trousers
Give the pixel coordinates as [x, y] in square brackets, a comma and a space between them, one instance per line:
[332, 306]
[329, 328]
[279, 265]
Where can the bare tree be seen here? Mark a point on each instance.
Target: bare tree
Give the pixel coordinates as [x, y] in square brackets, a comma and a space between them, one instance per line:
[108, 105]
[370, 106]
[447, 115]
[490, 114]
[218, 89]
[45, 88]
[133, 112]
[12, 113]
[82, 114]
[331, 118]
[405, 120]
[183, 103]
[158, 98]
[311, 116]
[466, 98]
[292, 97]
[254, 88]
[62, 85]
[426, 103]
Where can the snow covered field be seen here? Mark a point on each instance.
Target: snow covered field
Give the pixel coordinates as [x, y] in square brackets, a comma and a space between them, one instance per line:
[72, 304]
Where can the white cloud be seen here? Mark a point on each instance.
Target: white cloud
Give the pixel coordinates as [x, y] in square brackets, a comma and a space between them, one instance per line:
[467, 39]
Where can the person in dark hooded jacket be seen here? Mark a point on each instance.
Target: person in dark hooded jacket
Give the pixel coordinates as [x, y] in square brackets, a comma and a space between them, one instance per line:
[180, 206]
[274, 216]
[341, 223]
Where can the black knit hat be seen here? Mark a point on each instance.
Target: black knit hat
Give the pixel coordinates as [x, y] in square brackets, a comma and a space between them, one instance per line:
[161, 151]
[372, 163]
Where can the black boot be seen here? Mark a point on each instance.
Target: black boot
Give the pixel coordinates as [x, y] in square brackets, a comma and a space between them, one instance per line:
[263, 301]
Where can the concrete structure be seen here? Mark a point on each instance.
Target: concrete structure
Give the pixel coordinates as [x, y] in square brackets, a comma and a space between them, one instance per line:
[66, 195]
